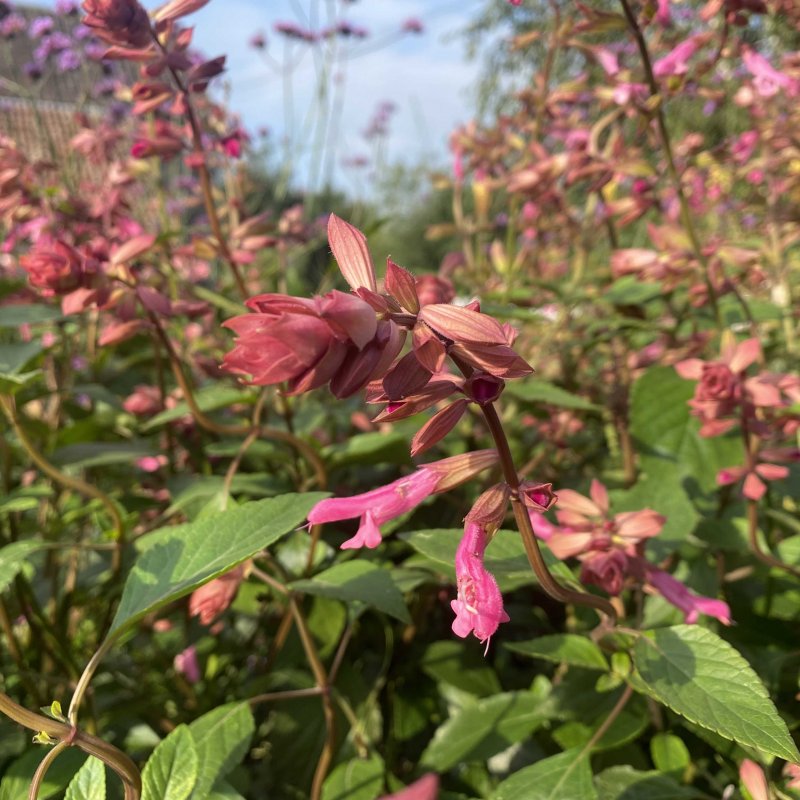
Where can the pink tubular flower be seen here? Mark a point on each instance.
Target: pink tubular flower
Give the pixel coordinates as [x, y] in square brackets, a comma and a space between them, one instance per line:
[676, 62]
[479, 605]
[187, 665]
[426, 788]
[767, 80]
[387, 502]
[691, 604]
[214, 597]
[754, 780]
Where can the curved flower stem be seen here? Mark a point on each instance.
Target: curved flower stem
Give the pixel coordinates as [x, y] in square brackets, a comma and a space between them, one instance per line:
[289, 694]
[672, 169]
[752, 505]
[205, 176]
[607, 722]
[41, 770]
[327, 703]
[205, 422]
[546, 580]
[76, 484]
[71, 736]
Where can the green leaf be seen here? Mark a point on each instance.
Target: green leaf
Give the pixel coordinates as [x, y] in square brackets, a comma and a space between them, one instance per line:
[631, 291]
[459, 664]
[626, 783]
[13, 359]
[224, 791]
[701, 677]
[222, 738]
[89, 783]
[209, 398]
[13, 559]
[176, 560]
[567, 775]
[670, 754]
[539, 391]
[374, 447]
[486, 727]
[16, 315]
[505, 556]
[358, 581]
[17, 777]
[566, 648]
[662, 490]
[171, 771]
[664, 430]
[101, 454]
[357, 779]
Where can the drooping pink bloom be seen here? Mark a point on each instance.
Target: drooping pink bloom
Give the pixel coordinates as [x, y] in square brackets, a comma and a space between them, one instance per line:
[479, 605]
[662, 14]
[691, 604]
[187, 665]
[387, 502]
[145, 401]
[767, 80]
[214, 597]
[792, 771]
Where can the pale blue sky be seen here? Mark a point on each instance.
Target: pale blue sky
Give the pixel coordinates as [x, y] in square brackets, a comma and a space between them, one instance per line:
[426, 76]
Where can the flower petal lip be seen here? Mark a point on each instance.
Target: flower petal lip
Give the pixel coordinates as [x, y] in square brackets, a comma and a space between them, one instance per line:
[350, 250]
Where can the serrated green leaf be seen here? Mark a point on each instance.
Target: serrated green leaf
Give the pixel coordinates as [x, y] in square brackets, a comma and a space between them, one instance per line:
[487, 727]
[357, 779]
[171, 771]
[358, 581]
[13, 559]
[566, 648]
[505, 556]
[89, 782]
[209, 398]
[626, 783]
[567, 775]
[222, 738]
[542, 392]
[701, 677]
[176, 560]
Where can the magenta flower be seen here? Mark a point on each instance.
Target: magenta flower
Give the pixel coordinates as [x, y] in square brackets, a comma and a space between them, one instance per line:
[676, 62]
[692, 605]
[187, 665]
[479, 605]
[767, 80]
[387, 502]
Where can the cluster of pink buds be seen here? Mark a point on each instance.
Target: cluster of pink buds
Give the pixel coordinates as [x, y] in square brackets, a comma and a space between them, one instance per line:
[351, 341]
[760, 405]
[611, 550]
